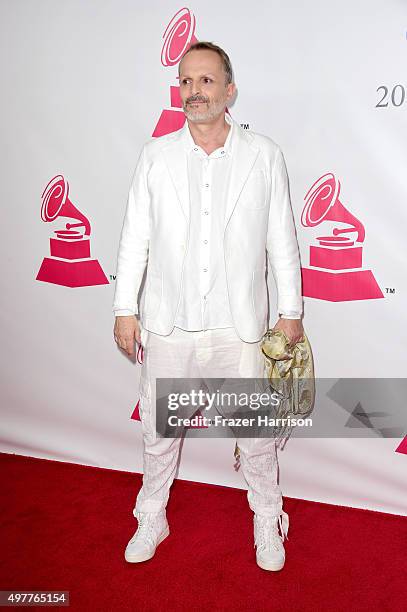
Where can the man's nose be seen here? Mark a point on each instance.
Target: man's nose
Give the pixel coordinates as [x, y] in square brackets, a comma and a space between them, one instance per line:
[195, 89]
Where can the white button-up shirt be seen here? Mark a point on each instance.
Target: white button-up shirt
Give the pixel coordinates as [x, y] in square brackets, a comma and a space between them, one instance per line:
[204, 298]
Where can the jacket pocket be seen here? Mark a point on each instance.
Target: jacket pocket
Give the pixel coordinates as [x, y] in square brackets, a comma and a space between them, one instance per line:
[253, 196]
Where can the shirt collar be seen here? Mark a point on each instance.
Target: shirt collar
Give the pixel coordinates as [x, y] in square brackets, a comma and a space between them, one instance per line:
[190, 144]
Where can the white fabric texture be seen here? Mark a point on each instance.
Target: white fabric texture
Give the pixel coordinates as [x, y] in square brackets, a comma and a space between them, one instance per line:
[203, 186]
[204, 300]
[201, 355]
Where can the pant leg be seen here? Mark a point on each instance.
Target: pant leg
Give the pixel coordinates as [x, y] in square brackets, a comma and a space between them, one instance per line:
[224, 355]
[169, 356]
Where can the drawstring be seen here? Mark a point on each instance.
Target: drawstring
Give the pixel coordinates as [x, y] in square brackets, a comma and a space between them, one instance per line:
[140, 350]
[283, 523]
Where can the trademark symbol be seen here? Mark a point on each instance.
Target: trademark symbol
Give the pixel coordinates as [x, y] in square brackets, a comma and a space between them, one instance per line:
[245, 126]
[112, 277]
[390, 290]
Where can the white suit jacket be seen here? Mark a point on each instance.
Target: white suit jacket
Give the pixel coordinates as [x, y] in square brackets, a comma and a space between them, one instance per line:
[258, 225]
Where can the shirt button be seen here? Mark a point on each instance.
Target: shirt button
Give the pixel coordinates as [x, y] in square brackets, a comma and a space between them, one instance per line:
[196, 149]
[222, 152]
[205, 269]
[205, 242]
[206, 212]
[206, 184]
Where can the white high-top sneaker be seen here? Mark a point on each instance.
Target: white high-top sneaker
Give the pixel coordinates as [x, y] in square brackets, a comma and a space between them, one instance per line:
[152, 530]
[270, 553]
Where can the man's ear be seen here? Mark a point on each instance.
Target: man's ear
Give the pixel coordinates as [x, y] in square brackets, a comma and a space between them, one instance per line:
[231, 90]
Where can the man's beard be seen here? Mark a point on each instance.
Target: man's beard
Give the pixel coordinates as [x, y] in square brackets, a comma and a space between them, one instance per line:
[213, 110]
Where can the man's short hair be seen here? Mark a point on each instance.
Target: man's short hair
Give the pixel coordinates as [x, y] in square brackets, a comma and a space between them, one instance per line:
[222, 54]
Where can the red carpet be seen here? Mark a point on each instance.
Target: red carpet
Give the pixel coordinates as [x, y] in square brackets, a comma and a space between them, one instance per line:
[65, 527]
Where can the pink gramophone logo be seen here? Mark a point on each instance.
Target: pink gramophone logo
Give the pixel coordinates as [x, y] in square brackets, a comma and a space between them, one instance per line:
[178, 36]
[335, 272]
[70, 263]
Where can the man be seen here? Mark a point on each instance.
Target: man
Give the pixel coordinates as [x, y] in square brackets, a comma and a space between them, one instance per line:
[207, 205]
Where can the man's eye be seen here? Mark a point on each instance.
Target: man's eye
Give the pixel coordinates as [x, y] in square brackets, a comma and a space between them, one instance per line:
[207, 79]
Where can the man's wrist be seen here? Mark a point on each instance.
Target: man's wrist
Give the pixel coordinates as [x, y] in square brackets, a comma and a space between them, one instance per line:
[124, 313]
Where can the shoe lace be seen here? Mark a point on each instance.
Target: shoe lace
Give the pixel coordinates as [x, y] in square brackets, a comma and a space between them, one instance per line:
[267, 535]
[145, 529]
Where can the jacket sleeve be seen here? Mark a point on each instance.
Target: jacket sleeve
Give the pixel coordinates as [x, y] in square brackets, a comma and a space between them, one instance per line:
[134, 243]
[282, 246]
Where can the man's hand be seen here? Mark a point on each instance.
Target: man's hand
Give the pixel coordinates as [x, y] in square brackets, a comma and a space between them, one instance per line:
[293, 329]
[126, 330]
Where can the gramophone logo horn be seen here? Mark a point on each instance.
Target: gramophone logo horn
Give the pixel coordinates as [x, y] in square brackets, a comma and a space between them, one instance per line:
[179, 35]
[70, 263]
[336, 272]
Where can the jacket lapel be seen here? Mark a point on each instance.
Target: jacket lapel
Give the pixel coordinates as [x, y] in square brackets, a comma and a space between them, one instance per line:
[176, 160]
[244, 156]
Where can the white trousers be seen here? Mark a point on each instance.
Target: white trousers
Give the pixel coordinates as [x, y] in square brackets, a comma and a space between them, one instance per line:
[201, 355]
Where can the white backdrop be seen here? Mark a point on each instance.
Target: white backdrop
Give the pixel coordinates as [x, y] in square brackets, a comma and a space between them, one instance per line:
[83, 88]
